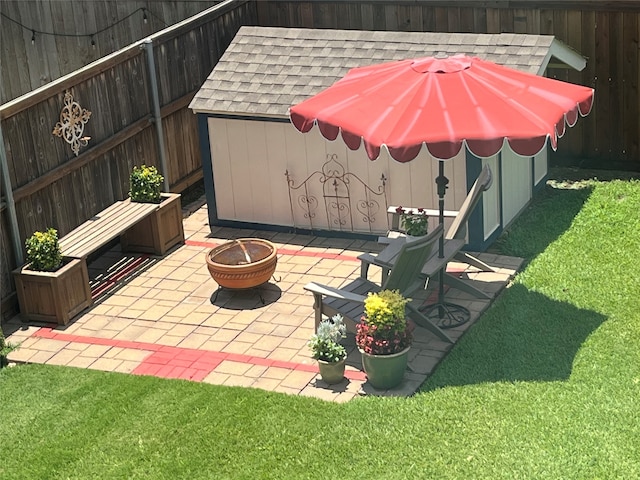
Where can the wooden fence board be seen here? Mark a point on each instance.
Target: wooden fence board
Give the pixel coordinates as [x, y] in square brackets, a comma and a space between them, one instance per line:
[379, 17]
[467, 18]
[616, 98]
[453, 19]
[343, 17]
[602, 105]
[573, 141]
[441, 15]
[630, 98]
[306, 14]
[7, 260]
[493, 20]
[588, 34]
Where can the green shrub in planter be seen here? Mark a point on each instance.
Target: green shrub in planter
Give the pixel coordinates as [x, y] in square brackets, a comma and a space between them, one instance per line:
[146, 184]
[43, 251]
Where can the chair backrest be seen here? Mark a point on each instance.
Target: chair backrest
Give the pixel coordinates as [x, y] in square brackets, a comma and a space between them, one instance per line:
[405, 274]
[458, 228]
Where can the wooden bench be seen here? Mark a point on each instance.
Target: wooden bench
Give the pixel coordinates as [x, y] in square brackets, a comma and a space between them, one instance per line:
[143, 227]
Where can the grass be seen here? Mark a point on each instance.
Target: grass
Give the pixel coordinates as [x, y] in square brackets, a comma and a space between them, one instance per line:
[546, 385]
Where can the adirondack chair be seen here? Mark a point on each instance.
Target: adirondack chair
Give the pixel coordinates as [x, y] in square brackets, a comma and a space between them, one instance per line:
[403, 276]
[454, 240]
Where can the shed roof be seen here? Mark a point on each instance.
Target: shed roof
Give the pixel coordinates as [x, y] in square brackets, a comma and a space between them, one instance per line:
[265, 70]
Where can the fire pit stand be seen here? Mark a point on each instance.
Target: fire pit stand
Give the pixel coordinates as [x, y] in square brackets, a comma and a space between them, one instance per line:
[242, 264]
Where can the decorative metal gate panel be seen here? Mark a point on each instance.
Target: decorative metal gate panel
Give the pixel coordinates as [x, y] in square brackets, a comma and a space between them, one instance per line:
[335, 199]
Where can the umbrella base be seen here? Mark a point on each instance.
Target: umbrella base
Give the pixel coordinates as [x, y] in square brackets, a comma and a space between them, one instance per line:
[446, 315]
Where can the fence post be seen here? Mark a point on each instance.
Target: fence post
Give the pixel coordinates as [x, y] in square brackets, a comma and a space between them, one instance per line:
[11, 206]
[157, 116]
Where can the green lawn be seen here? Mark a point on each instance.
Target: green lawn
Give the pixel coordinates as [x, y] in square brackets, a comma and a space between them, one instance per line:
[546, 385]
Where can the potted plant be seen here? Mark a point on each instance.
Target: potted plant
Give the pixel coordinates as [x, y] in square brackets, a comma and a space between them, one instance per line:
[414, 221]
[146, 184]
[325, 348]
[384, 338]
[50, 287]
[163, 228]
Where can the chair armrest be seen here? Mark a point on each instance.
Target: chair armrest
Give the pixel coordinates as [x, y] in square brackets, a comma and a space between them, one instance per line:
[366, 259]
[325, 290]
[373, 260]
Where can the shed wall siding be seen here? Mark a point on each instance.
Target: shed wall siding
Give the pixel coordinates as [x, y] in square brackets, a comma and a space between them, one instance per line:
[540, 167]
[516, 184]
[491, 199]
[249, 160]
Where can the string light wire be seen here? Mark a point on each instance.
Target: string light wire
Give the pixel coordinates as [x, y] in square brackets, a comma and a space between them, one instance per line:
[88, 35]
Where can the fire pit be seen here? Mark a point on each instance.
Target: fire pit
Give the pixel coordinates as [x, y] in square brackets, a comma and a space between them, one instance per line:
[243, 263]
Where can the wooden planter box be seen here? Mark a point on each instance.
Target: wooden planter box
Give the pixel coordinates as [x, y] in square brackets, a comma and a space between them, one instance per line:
[53, 297]
[158, 232]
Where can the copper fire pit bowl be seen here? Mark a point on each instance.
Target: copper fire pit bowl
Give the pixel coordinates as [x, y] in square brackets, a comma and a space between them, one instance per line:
[243, 263]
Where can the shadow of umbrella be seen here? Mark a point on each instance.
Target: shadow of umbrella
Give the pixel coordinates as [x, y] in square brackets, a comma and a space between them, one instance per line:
[525, 336]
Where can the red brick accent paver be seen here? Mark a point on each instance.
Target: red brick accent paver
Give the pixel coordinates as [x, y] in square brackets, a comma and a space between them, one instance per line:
[185, 363]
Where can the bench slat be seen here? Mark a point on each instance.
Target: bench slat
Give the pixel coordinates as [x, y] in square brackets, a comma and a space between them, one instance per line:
[104, 227]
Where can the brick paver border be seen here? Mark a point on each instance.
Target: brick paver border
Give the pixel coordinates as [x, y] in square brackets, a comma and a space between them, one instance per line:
[184, 363]
[285, 251]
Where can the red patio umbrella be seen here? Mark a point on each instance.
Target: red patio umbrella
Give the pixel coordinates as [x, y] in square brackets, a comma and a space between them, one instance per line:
[443, 104]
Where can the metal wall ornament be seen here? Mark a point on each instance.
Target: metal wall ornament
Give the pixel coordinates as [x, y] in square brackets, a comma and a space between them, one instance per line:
[344, 195]
[70, 128]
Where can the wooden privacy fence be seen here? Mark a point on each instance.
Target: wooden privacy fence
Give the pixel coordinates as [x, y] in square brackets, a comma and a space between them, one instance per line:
[51, 187]
[46, 39]
[606, 32]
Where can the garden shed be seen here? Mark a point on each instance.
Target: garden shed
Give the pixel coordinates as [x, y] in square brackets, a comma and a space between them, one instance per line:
[260, 171]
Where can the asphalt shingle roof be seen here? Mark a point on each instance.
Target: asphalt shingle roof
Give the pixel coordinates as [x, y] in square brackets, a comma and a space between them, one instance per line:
[265, 70]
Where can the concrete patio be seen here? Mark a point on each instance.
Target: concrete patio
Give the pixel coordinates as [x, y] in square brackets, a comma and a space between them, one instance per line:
[158, 316]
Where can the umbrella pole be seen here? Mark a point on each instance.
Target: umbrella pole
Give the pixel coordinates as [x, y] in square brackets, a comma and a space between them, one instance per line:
[445, 314]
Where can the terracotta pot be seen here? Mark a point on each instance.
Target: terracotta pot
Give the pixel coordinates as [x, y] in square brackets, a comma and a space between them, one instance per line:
[242, 263]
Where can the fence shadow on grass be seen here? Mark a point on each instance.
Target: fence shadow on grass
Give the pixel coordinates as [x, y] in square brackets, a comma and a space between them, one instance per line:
[525, 336]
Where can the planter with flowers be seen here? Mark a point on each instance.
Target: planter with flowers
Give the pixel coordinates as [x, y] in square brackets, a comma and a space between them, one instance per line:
[163, 228]
[50, 287]
[384, 338]
[414, 221]
[325, 347]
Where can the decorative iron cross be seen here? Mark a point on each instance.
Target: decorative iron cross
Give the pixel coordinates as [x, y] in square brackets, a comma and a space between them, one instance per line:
[71, 125]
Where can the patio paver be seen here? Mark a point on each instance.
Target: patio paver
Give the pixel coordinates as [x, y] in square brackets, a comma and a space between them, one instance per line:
[155, 316]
